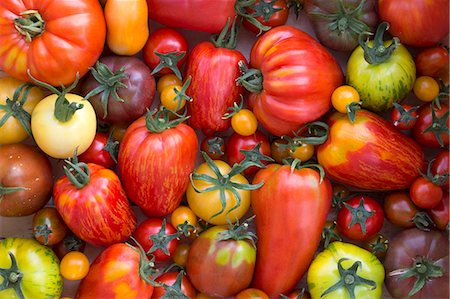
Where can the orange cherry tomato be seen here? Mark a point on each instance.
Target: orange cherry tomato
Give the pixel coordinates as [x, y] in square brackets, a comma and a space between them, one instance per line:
[303, 152]
[182, 215]
[426, 88]
[166, 80]
[168, 98]
[343, 96]
[74, 265]
[244, 122]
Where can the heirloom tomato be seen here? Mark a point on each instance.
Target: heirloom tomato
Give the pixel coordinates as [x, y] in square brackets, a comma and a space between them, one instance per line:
[426, 23]
[119, 271]
[399, 209]
[103, 151]
[383, 72]
[417, 265]
[338, 24]
[291, 209]
[440, 214]
[54, 40]
[403, 116]
[93, 204]
[48, 226]
[26, 180]
[432, 61]
[432, 126]
[269, 13]
[74, 265]
[355, 151]
[221, 261]
[17, 101]
[156, 157]
[127, 26]
[28, 270]
[343, 271]
[174, 285]
[291, 79]
[425, 193]
[120, 89]
[440, 165]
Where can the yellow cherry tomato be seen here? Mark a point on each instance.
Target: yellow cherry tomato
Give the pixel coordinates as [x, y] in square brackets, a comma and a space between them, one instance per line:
[181, 215]
[304, 152]
[19, 109]
[169, 99]
[343, 96]
[166, 80]
[244, 122]
[59, 139]
[74, 265]
[426, 88]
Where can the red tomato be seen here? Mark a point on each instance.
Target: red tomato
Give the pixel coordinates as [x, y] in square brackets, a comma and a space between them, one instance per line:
[425, 194]
[48, 226]
[360, 218]
[292, 203]
[440, 165]
[399, 209]
[173, 47]
[269, 13]
[102, 151]
[157, 238]
[65, 38]
[176, 284]
[431, 61]
[440, 214]
[403, 116]
[236, 143]
[155, 160]
[426, 24]
[431, 128]
[70, 243]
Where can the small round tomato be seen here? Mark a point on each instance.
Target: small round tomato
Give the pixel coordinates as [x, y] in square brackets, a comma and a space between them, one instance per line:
[426, 88]
[440, 166]
[360, 218]
[251, 293]
[166, 80]
[48, 226]
[278, 151]
[430, 61]
[70, 243]
[399, 209]
[74, 265]
[183, 219]
[431, 128]
[424, 193]
[214, 147]
[268, 13]
[377, 244]
[440, 214]
[157, 237]
[244, 122]
[343, 96]
[304, 152]
[169, 99]
[103, 151]
[403, 116]
[176, 285]
[181, 253]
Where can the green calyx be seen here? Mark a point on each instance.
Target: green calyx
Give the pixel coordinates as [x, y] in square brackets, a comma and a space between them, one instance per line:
[174, 290]
[265, 9]
[181, 95]
[112, 147]
[423, 269]
[238, 231]
[378, 53]
[15, 108]
[254, 156]
[214, 145]
[250, 79]
[12, 277]
[64, 110]
[158, 121]
[223, 182]
[437, 179]
[423, 221]
[379, 246]
[314, 133]
[262, 8]
[42, 231]
[30, 24]
[147, 268]
[345, 20]
[78, 173]
[161, 240]
[406, 116]
[227, 38]
[109, 83]
[296, 165]
[234, 109]
[359, 215]
[438, 124]
[8, 190]
[329, 234]
[170, 61]
[349, 279]
[351, 110]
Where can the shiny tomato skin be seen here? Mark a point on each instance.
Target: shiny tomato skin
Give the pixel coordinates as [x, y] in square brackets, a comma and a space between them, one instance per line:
[395, 118]
[236, 143]
[440, 214]
[399, 209]
[48, 226]
[278, 18]
[169, 278]
[99, 213]
[424, 193]
[293, 204]
[426, 25]
[431, 61]
[74, 265]
[115, 274]
[289, 97]
[155, 167]
[440, 165]
[26, 167]
[425, 120]
[213, 88]
[48, 57]
[97, 154]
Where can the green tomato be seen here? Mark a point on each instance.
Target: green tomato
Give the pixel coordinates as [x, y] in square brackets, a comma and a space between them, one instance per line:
[345, 271]
[32, 270]
[383, 72]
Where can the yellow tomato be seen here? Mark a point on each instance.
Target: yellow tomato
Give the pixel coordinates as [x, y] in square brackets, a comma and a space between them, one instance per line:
[244, 122]
[12, 130]
[169, 99]
[166, 80]
[127, 26]
[74, 265]
[59, 139]
[343, 96]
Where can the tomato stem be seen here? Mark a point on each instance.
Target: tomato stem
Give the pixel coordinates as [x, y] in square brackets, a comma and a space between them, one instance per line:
[158, 121]
[227, 37]
[161, 240]
[15, 108]
[359, 215]
[238, 231]
[170, 61]
[266, 10]
[30, 24]
[81, 173]
[12, 277]
[378, 52]
[250, 79]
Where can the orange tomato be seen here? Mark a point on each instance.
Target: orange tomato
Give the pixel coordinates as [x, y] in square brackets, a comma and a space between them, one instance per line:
[74, 265]
[166, 80]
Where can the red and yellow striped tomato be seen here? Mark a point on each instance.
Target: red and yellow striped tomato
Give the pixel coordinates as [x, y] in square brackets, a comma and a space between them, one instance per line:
[370, 153]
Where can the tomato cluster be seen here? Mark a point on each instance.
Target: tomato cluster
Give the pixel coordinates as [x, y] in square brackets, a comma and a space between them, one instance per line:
[276, 159]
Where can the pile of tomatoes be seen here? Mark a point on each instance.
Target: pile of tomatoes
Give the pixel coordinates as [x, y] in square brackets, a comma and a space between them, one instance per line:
[300, 152]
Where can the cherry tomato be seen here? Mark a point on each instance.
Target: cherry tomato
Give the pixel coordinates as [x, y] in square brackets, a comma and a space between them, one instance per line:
[184, 219]
[181, 253]
[343, 96]
[424, 193]
[360, 218]
[168, 98]
[378, 245]
[268, 13]
[166, 80]
[431, 61]
[403, 116]
[304, 152]
[214, 147]
[175, 285]
[74, 265]
[102, 151]
[70, 243]
[431, 128]
[440, 214]
[440, 165]
[48, 226]
[426, 88]
[244, 122]
[279, 153]
[251, 293]
[399, 209]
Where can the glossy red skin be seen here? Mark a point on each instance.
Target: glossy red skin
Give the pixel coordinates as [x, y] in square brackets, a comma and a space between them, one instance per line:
[425, 194]
[151, 227]
[399, 209]
[155, 167]
[72, 41]
[49, 217]
[440, 214]
[114, 274]
[373, 224]
[169, 279]
[291, 209]
[138, 97]
[27, 167]
[403, 248]
[200, 15]
[276, 19]
[395, 116]
[377, 156]
[424, 121]
[99, 213]
[441, 165]
[164, 40]
[213, 87]
[431, 61]
[97, 154]
[299, 76]
[237, 142]
[426, 25]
